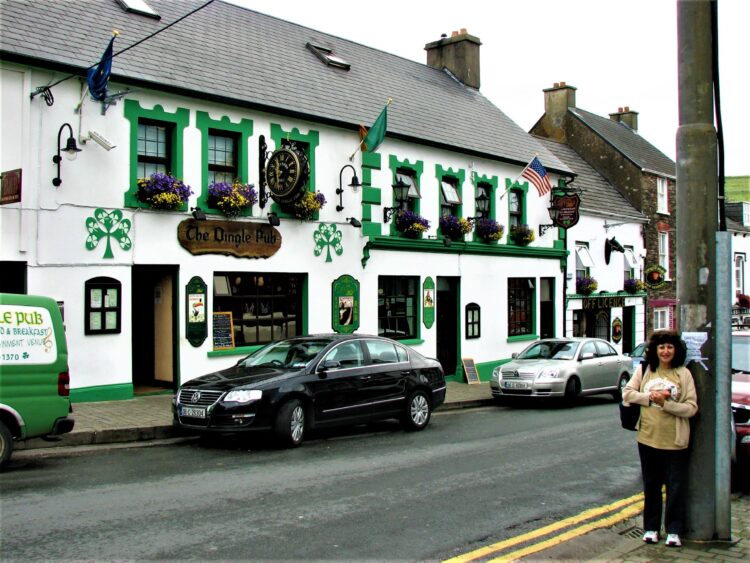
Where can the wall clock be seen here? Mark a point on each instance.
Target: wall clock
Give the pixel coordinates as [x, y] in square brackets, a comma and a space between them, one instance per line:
[286, 174]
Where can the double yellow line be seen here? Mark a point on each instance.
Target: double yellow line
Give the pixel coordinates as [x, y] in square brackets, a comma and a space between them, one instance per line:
[569, 528]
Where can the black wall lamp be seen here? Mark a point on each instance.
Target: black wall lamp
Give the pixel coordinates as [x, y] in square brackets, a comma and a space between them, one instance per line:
[554, 211]
[273, 219]
[71, 151]
[354, 222]
[401, 191]
[354, 185]
[482, 202]
[198, 214]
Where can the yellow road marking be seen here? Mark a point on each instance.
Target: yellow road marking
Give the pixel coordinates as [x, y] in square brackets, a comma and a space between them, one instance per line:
[575, 532]
[577, 519]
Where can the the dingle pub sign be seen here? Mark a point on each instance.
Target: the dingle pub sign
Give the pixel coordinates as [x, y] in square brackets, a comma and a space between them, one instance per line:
[234, 238]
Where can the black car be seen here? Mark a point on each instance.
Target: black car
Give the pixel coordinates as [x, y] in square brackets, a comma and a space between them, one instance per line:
[314, 381]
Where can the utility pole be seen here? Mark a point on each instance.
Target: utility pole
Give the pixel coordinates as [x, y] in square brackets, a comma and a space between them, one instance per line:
[708, 507]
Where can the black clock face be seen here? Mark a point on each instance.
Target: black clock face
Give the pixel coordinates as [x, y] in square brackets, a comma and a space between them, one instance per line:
[286, 173]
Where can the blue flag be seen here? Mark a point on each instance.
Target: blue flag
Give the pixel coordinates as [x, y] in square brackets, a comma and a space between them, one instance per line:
[99, 75]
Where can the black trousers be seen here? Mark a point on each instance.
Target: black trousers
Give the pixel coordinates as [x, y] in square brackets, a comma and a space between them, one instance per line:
[669, 468]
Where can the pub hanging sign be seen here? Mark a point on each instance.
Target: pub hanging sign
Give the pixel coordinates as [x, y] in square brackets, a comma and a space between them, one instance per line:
[567, 210]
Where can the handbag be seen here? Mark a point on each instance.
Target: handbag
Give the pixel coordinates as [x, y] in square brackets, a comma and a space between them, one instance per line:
[629, 415]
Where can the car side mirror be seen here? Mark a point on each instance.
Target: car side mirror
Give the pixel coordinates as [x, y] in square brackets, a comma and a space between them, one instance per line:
[587, 355]
[514, 355]
[329, 364]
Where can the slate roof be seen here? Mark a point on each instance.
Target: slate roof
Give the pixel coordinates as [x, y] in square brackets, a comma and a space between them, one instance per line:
[235, 55]
[634, 147]
[597, 194]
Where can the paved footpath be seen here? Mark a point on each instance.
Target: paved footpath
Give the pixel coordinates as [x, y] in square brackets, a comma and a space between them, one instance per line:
[610, 538]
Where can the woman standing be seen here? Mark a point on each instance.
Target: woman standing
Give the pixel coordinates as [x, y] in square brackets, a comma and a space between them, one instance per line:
[666, 393]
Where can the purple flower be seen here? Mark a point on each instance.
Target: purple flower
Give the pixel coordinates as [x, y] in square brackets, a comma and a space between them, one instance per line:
[409, 221]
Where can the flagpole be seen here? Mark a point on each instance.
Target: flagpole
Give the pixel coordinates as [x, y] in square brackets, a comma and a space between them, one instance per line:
[536, 155]
[359, 146]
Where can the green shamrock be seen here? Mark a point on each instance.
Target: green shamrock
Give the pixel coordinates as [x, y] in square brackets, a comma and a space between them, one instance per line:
[108, 224]
[325, 237]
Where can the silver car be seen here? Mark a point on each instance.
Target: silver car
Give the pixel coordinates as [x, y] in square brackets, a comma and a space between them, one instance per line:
[563, 367]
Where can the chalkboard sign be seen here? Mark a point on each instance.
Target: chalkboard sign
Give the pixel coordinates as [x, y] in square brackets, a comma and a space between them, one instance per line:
[223, 332]
[470, 370]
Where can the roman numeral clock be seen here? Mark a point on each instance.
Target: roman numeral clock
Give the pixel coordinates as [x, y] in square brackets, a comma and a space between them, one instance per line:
[287, 171]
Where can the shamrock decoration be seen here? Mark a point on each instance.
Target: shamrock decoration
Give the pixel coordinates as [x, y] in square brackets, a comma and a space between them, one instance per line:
[325, 237]
[107, 224]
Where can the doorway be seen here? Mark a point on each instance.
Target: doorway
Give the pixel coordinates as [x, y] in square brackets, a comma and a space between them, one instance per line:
[155, 316]
[447, 311]
[546, 307]
[628, 329]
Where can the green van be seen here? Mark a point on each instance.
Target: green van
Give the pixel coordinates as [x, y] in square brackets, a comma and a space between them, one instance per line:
[34, 379]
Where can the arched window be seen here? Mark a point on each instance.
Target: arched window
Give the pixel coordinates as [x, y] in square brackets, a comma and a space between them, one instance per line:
[103, 306]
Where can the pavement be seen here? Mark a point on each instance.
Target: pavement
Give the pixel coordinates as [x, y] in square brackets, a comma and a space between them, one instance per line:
[609, 535]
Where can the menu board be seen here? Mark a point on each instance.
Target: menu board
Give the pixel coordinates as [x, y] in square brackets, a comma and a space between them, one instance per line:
[470, 369]
[223, 332]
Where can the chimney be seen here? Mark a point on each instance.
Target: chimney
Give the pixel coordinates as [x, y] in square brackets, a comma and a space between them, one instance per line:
[626, 116]
[458, 53]
[557, 100]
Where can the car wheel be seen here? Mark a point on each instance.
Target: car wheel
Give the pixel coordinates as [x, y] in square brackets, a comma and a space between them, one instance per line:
[289, 427]
[572, 390]
[418, 411]
[621, 383]
[6, 444]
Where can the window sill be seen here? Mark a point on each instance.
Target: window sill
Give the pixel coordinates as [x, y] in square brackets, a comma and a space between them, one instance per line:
[523, 338]
[239, 351]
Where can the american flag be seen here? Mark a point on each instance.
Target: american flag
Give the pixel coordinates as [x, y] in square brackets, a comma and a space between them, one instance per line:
[537, 175]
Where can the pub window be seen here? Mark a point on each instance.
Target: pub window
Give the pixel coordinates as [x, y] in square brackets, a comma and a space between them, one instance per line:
[515, 207]
[662, 201]
[472, 321]
[584, 262]
[103, 306]
[413, 195]
[397, 306]
[265, 307]
[154, 147]
[222, 157]
[520, 306]
[451, 199]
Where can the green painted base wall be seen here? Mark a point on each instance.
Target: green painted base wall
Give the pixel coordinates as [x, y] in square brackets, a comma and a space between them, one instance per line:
[121, 392]
[484, 370]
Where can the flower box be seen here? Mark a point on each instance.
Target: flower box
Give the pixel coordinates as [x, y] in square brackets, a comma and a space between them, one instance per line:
[231, 199]
[163, 191]
[489, 230]
[454, 227]
[411, 224]
[633, 285]
[306, 207]
[586, 285]
[521, 234]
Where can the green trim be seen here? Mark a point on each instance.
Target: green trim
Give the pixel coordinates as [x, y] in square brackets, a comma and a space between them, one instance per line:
[245, 130]
[523, 338]
[468, 247]
[394, 164]
[239, 351]
[459, 177]
[412, 341]
[180, 119]
[485, 368]
[371, 196]
[99, 393]
[524, 189]
[313, 140]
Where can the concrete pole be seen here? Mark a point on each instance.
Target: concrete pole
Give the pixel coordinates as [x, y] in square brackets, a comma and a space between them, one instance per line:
[697, 223]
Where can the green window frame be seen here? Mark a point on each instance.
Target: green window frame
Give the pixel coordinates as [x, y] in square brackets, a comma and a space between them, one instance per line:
[175, 122]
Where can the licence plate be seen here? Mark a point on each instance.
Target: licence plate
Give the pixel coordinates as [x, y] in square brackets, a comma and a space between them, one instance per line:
[192, 412]
[514, 385]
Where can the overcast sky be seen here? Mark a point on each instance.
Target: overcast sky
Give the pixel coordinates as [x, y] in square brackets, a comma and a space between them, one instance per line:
[615, 52]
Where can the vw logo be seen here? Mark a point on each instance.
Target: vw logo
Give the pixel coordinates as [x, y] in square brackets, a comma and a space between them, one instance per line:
[195, 397]
[516, 374]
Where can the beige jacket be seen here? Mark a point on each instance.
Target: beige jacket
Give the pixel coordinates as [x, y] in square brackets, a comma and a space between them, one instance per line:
[683, 409]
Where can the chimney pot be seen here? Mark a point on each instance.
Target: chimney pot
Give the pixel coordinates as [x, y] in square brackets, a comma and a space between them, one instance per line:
[556, 85]
[454, 33]
[463, 31]
[562, 84]
[459, 54]
[619, 110]
[627, 108]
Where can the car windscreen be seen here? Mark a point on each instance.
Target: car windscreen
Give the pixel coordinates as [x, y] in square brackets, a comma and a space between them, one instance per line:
[550, 350]
[286, 354]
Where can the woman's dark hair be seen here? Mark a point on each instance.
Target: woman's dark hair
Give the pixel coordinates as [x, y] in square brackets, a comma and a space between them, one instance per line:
[665, 337]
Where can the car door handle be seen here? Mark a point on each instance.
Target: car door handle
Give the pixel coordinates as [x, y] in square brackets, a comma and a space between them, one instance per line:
[405, 372]
[366, 377]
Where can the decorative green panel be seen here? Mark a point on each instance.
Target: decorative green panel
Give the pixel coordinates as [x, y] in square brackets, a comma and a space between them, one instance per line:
[327, 237]
[196, 305]
[345, 304]
[105, 225]
[428, 302]
[180, 119]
